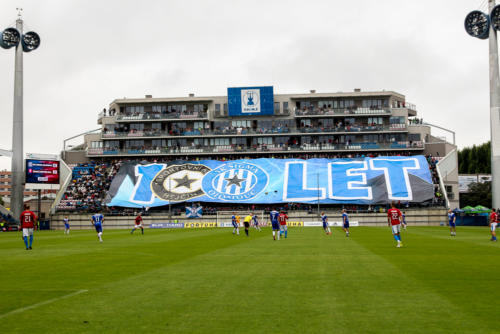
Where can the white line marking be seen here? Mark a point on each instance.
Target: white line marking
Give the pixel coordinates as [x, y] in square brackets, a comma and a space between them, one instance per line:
[22, 309]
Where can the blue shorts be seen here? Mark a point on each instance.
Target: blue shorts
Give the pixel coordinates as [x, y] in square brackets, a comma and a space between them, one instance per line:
[235, 225]
[325, 225]
[346, 225]
[66, 226]
[452, 224]
[98, 228]
[276, 226]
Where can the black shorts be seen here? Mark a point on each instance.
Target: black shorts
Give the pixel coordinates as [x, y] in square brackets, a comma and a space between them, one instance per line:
[247, 224]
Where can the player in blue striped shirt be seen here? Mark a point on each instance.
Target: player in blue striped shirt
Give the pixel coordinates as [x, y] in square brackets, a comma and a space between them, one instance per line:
[345, 221]
[97, 220]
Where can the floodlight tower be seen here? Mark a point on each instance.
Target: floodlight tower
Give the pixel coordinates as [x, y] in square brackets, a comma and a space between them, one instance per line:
[482, 25]
[27, 42]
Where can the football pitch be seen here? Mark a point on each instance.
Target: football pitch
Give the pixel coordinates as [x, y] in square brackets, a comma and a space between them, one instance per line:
[209, 281]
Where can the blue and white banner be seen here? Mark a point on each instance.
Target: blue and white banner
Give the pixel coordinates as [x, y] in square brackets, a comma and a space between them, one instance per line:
[262, 181]
[244, 101]
[194, 212]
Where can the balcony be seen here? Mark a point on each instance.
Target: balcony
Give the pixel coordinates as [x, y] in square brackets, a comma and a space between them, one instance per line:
[252, 132]
[341, 112]
[256, 149]
[157, 116]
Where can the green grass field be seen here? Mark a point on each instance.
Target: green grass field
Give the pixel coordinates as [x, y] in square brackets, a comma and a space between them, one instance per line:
[209, 281]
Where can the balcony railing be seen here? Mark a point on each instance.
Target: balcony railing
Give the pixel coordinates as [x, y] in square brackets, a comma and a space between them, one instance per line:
[248, 131]
[360, 146]
[340, 112]
[159, 116]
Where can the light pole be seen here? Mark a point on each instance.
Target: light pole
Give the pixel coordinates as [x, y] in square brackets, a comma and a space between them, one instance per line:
[481, 25]
[27, 42]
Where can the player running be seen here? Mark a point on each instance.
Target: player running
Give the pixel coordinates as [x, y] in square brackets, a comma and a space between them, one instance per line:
[403, 222]
[493, 224]
[345, 222]
[282, 218]
[97, 220]
[394, 220]
[28, 220]
[256, 222]
[451, 222]
[324, 219]
[66, 225]
[138, 224]
[236, 224]
[275, 224]
[247, 221]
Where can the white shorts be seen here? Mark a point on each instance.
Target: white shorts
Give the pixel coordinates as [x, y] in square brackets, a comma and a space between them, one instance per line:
[493, 227]
[27, 232]
[283, 227]
[138, 226]
[396, 228]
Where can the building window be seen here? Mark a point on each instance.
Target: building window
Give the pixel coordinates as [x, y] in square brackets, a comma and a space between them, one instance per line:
[137, 127]
[241, 124]
[96, 144]
[134, 144]
[134, 110]
[397, 120]
[276, 107]
[159, 109]
[112, 144]
[219, 141]
[285, 107]
[239, 141]
[217, 109]
[225, 108]
[158, 143]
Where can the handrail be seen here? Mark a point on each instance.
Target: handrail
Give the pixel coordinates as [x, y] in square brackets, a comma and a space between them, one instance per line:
[340, 111]
[360, 146]
[62, 189]
[160, 116]
[246, 131]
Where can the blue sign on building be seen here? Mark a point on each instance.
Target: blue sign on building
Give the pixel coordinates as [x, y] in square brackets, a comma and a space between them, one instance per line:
[244, 101]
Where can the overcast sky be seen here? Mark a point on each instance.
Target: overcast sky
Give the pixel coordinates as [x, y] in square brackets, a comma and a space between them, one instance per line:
[95, 51]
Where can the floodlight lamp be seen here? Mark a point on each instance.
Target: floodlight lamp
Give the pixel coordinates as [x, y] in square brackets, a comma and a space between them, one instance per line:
[9, 37]
[30, 41]
[477, 24]
[495, 17]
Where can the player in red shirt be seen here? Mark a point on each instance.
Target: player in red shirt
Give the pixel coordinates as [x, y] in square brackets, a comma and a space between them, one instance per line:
[28, 220]
[493, 224]
[394, 218]
[138, 224]
[282, 218]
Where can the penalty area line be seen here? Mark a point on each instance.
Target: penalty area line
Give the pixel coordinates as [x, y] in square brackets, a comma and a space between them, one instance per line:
[22, 309]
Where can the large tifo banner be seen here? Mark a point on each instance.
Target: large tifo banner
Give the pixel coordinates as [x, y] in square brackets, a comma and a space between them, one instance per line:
[262, 181]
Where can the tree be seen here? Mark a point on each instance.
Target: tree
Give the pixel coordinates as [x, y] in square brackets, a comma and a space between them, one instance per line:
[479, 194]
[475, 159]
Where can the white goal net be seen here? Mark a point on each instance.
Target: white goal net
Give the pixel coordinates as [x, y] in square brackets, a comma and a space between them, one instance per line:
[224, 218]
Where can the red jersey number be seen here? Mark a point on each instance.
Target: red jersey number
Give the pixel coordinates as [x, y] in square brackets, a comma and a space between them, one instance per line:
[28, 219]
[394, 215]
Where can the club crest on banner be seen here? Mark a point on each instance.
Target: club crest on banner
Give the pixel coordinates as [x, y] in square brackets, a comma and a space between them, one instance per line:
[179, 183]
[250, 101]
[235, 181]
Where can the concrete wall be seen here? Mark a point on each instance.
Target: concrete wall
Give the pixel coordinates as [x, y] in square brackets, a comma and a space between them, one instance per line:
[417, 217]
